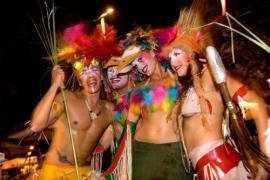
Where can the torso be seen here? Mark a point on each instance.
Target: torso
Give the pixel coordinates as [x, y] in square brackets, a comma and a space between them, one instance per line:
[86, 132]
[154, 127]
[195, 132]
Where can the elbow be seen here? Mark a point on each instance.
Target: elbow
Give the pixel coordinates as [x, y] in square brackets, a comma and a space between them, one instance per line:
[34, 127]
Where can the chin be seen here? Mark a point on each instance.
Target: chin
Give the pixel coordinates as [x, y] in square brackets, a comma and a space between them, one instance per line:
[149, 73]
[93, 90]
[115, 87]
[181, 74]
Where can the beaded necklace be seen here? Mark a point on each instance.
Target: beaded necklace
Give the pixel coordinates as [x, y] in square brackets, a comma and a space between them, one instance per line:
[92, 114]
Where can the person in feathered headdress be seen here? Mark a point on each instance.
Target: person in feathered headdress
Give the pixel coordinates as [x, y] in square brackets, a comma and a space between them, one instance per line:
[90, 115]
[150, 104]
[200, 108]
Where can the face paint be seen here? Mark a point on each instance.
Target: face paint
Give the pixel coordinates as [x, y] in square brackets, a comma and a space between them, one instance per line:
[90, 78]
[117, 81]
[179, 60]
[145, 63]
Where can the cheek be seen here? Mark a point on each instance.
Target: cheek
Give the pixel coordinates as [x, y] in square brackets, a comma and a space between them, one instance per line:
[83, 77]
[110, 75]
[179, 60]
[124, 79]
[140, 64]
[122, 82]
[110, 81]
[174, 62]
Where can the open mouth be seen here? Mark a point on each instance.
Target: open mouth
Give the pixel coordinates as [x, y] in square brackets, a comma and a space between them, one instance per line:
[92, 82]
[177, 68]
[115, 80]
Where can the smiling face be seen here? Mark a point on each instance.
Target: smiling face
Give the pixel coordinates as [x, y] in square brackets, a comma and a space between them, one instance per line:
[145, 62]
[180, 61]
[90, 78]
[117, 81]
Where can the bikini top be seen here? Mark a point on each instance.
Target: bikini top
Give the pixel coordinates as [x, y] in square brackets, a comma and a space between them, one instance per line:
[191, 103]
[152, 99]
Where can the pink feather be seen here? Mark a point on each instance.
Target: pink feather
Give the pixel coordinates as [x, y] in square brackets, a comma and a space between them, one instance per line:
[159, 94]
[71, 34]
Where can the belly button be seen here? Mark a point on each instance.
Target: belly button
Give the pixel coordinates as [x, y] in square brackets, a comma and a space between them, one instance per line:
[75, 122]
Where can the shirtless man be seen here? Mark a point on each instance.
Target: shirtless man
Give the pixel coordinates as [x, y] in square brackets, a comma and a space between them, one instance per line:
[86, 130]
[89, 115]
[155, 150]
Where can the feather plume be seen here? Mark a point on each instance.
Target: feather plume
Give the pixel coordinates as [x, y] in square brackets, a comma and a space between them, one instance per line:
[95, 45]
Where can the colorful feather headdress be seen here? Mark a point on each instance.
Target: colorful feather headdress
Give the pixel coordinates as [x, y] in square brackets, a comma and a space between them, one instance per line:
[143, 39]
[139, 40]
[83, 48]
[190, 36]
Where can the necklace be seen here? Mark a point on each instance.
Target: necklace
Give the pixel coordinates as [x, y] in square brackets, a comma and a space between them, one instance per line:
[92, 114]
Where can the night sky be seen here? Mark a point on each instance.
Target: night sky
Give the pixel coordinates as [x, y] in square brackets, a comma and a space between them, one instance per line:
[25, 76]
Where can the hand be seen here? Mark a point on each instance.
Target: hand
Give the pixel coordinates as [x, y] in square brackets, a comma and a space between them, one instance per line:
[262, 174]
[58, 76]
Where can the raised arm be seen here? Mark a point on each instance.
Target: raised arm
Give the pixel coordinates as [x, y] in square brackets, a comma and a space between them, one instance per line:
[50, 106]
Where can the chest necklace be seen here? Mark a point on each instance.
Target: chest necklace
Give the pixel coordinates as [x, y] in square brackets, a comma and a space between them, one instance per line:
[92, 114]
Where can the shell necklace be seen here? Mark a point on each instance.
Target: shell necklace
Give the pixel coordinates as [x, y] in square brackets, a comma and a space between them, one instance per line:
[92, 114]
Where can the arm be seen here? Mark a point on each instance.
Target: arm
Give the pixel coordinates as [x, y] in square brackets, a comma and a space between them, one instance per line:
[49, 107]
[112, 130]
[132, 120]
[260, 116]
[107, 137]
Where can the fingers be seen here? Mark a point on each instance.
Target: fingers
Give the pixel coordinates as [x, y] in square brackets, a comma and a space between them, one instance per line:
[203, 60]
[57, 68]
[58, 75]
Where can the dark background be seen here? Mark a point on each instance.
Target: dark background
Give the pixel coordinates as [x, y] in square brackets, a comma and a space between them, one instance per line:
[24, 76]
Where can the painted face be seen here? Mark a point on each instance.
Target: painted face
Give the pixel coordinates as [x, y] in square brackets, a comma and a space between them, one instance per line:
[90, 78]
[179, 60]
[145, 63]
[117, 81]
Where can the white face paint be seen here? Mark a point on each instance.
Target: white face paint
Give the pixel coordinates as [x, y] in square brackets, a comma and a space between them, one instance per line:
[179, 60]
[117, 81]
[90, 78]
[145, 63]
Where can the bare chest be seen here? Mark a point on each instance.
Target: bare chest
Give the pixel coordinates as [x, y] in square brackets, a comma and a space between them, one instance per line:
[78, 115]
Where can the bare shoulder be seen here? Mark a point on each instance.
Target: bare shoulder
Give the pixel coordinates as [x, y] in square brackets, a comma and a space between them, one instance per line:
[70, 95]
[108, 105]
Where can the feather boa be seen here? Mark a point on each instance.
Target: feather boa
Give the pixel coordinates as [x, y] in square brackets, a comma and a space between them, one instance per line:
[158, 98]
[121, 103]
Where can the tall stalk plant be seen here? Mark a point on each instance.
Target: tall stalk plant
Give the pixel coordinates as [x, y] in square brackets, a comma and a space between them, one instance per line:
[46, 31]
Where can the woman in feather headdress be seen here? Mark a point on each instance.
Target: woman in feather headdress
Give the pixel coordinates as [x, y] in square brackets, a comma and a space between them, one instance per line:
[200, 108]
[90, 114]
[155, 148]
